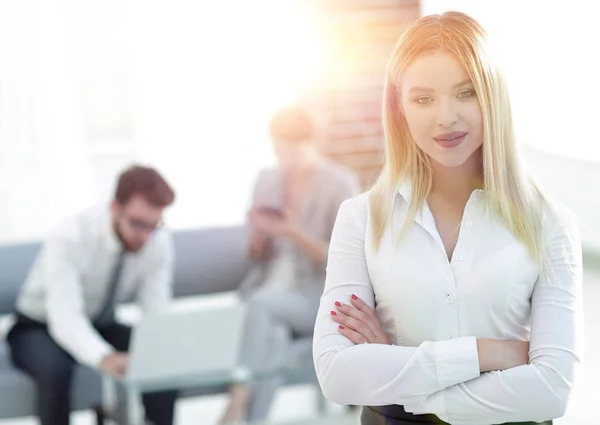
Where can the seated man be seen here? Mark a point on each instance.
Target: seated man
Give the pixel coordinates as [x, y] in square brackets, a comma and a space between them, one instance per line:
[65, 311]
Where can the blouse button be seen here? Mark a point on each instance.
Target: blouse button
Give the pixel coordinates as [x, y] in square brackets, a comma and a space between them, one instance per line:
[469, 224]
[450, 299]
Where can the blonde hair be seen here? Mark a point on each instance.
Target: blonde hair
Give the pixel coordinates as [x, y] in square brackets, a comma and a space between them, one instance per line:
[510, 194]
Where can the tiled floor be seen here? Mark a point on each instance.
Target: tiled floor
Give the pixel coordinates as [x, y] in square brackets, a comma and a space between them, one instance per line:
[298, 403]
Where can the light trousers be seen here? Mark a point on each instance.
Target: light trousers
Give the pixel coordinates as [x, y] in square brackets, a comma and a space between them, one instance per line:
[275, 317]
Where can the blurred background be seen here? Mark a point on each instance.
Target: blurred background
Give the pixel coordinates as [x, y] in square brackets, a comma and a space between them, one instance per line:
[88, 87]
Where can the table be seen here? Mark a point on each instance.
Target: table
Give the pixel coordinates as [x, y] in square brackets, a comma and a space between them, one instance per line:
[232, 372]
[215, 362]
[110, 387]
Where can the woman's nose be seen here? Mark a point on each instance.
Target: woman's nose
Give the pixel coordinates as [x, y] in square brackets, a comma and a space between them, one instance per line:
[446, 114]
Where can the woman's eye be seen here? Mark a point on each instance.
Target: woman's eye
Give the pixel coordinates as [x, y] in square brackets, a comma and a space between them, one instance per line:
[423, 99]
[466, 93]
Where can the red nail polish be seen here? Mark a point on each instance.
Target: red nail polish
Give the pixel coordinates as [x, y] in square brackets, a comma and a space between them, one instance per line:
[342, 327]
[333, 313]
[337, 303]
[354, 297]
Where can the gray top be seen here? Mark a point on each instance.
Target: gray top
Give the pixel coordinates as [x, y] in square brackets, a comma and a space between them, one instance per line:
[331, 185]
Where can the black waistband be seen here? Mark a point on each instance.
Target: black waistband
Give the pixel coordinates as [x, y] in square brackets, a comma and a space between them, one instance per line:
[396, 415]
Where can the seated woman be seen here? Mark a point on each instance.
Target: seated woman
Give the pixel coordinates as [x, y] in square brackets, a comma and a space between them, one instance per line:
[294, 208]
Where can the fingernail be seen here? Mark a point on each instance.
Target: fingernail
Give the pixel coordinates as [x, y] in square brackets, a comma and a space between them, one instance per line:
[354, 297]
[333, 313]
[337, 303]
[342, 327]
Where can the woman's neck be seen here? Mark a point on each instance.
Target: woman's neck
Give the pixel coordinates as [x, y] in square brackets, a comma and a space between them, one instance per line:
[302, 170]
[458, 182]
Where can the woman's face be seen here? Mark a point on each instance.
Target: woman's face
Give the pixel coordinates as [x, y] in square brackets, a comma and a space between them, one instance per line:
[294, 157]
[441, 108]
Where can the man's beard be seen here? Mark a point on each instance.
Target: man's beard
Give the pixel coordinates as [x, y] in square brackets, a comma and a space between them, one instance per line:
[126, 245]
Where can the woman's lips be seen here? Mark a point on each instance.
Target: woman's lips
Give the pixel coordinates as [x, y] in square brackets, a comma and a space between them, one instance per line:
[450, 140]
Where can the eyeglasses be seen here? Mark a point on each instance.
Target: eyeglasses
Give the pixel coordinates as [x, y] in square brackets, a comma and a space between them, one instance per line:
[141, 226]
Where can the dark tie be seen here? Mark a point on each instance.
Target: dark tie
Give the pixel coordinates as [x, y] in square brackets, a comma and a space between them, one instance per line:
[107, 313]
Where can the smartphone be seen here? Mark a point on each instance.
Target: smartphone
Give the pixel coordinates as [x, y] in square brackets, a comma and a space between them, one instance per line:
[272, 210]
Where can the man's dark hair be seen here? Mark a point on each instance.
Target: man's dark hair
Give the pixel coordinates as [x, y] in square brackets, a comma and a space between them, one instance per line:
[146, 182]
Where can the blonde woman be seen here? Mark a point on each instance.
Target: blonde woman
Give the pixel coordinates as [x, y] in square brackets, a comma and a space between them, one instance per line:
[453, 288]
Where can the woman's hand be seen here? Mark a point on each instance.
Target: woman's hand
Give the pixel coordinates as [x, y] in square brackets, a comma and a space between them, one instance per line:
[257, 245]
[271, 224]
[359, 322]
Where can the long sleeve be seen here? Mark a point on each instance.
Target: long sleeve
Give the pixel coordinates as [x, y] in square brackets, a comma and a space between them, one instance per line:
[155, 292]
[540, 390]
[67, 322]
[374, 374]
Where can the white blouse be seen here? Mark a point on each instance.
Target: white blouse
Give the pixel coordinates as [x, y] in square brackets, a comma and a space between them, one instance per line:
[434, 309]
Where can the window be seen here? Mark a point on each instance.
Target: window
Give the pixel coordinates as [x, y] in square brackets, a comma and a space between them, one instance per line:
[207, 77]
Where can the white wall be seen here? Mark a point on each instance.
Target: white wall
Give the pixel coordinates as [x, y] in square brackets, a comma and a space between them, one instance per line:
[575, 183]
[40, 136]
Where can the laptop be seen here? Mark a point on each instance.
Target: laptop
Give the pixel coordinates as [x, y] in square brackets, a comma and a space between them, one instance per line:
[196, 347]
